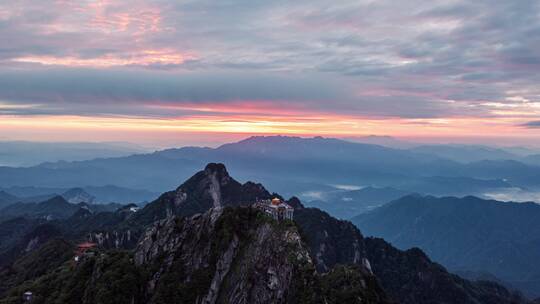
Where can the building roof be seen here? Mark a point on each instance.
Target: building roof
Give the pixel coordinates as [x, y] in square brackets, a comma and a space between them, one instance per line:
[86, 245]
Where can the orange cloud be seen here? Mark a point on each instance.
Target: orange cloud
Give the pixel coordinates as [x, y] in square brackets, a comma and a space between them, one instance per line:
[142, 58]
[258, 107]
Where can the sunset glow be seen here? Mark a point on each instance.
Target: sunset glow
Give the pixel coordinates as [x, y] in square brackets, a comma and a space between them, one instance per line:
[144, 58]
[172, 70]
[222, 129]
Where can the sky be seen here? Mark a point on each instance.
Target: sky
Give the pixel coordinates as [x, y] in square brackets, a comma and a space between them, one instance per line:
[170, 72]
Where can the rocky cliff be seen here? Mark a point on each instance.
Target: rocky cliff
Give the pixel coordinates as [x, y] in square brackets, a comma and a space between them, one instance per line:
[226, 255]
[202, 243]
[240, 256]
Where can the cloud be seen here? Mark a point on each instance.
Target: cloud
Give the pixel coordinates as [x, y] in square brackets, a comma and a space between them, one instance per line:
[383, 58]
[126, 91]
[532, 124]
[78, 85]
[168, 93]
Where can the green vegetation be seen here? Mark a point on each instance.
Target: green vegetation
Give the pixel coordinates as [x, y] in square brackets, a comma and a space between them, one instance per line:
[36, 263]
[348, 284]
[343, 284]
[106, 279]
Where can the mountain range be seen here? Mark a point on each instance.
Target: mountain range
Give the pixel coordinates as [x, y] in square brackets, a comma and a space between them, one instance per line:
[26, 153]
[89, 194]
[465, 153]
[6, 199]
[57, 207]
[348, 203]
[291, 166]
[204, 243]
[467, 235]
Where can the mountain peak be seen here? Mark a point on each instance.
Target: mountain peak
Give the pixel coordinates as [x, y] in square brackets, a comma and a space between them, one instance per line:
[78, 195]
[4, 193]
[216, 168]
[209, 188]
[57, 199]
[283, 139]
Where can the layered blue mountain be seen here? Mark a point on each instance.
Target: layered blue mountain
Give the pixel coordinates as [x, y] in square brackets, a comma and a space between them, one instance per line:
[88, 194]
[7, 199]
[467, 153]
[465, 234]
[290, 165]
[345, 204]
[464, 153]
[25, 153]
[56, 207]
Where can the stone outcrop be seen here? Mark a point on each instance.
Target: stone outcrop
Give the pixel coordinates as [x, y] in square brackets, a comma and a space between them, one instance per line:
[236, 255]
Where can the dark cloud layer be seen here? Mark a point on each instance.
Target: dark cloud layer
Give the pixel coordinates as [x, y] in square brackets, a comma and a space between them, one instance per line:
[100, 86]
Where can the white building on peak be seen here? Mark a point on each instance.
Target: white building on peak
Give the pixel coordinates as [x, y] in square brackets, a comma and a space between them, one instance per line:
[276, 208]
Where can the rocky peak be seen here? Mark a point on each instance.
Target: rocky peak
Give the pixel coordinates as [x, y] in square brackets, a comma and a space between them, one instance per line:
[82, 213]
[217, 169]
[218, 250]
[78, 195]
[56, 200]
[209, 188]
[238, 255]
[295, 203]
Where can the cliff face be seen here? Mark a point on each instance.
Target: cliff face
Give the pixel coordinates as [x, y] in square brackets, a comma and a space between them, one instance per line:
[238, 256]
[331, 241]
[233, 255]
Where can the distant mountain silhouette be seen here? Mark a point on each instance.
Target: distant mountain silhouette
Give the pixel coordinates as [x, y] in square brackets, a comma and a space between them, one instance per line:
[465, 234]
[53, 208]
[56, 207]
[466, 153]
[346, 204]
[78, 195]
[532, 160]
[91, 194]
[289, 165]
[7, 199]
[27, 153]
[386, 141]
